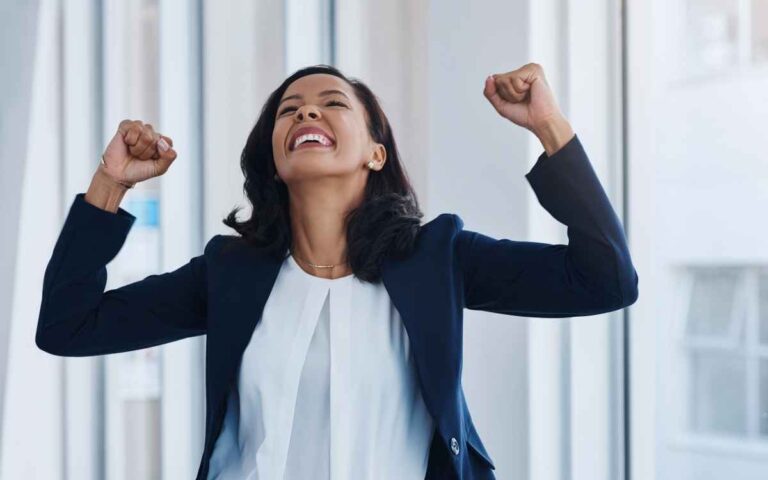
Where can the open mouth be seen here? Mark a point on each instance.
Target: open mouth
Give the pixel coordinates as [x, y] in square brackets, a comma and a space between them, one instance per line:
[310, 137]
[312, 144]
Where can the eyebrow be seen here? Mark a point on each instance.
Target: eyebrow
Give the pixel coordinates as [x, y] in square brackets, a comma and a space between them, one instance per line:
[322, 94]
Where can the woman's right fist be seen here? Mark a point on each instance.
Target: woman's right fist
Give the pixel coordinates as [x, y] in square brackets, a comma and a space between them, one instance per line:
[137, 153]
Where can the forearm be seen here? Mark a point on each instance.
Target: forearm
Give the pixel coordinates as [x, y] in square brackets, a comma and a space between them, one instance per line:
[104, 192]
[554, 134]
[568, 187]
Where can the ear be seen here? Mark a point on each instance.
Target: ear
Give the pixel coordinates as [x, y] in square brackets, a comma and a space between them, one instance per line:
[379, 155]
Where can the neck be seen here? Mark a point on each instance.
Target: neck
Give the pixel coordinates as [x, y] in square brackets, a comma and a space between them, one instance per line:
[318, 229]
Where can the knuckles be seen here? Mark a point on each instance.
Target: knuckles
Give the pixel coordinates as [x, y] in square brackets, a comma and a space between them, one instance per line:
[139, 136]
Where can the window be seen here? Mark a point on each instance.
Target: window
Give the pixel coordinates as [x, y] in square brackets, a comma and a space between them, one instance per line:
[712, 40]
[759, 14]
[725, 347]
[722, 34]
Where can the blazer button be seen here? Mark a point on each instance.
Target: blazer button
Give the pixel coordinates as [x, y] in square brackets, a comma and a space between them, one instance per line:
[454, 446]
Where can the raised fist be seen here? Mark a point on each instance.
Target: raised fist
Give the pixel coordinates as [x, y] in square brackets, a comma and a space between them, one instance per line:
[137, 153]
[523, 96]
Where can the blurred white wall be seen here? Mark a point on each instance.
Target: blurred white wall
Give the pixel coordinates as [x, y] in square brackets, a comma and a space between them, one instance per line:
[244, 59]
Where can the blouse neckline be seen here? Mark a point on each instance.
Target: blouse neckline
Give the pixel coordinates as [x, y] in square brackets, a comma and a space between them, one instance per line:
[315, 278]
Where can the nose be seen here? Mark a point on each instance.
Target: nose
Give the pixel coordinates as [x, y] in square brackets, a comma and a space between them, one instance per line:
[309, 111]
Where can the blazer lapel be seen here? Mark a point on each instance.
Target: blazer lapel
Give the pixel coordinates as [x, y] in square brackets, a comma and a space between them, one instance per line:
[247, 277]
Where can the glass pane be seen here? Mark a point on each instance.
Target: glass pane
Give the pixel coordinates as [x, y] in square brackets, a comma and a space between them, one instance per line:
[759, 31]
[763, 308]
[712, 40]
[717, 397]
[764, 398]
[710, 309]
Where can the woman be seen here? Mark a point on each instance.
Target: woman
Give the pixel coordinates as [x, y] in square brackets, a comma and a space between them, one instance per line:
[333, 318]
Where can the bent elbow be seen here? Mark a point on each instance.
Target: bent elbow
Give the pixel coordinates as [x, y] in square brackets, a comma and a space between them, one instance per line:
[628, 288]
[45, 344]
[50, 343]
[620, 294]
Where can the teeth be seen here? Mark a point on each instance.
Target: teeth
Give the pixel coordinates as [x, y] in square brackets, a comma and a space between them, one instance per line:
[312, 136]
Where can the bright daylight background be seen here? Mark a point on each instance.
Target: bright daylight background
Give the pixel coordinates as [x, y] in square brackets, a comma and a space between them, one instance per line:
[672, 113]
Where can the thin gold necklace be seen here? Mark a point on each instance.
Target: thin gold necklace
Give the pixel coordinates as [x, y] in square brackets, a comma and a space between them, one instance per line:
[317, 266]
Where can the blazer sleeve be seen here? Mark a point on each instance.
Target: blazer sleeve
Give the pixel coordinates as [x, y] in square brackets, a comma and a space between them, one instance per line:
[78, 318]
[592, 274]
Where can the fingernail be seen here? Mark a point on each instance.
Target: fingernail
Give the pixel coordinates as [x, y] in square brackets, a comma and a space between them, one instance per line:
[163, 145]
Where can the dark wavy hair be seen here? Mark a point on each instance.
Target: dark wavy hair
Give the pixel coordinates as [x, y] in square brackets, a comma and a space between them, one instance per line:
[385, 223]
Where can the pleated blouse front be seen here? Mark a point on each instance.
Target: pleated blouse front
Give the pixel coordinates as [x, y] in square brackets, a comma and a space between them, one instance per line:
[327, 388]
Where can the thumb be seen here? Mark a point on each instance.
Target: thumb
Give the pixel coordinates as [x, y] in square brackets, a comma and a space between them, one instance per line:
[490, 86]
[166, 159]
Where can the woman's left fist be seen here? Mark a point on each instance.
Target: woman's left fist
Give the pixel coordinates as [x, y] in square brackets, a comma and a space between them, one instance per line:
[523, 96]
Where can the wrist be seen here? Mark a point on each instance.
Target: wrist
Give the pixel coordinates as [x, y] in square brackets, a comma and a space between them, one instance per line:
[554, 134]
[102, 172]
[105, 192]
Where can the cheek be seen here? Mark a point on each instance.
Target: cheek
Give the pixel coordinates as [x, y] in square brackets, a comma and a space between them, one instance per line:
[277, 142]
[354, 137]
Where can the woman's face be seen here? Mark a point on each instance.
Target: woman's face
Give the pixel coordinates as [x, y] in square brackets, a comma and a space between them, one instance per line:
[326, 102]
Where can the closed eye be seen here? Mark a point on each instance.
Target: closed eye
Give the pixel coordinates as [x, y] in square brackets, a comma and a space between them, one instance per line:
[332, 102]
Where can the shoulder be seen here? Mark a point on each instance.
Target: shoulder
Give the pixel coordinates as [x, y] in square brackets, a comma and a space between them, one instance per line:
[445, 228]
[222, 244]
[448, 229]
[236, 249]
[443, 221]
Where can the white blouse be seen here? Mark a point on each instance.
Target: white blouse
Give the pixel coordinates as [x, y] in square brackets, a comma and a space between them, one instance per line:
[326, 388]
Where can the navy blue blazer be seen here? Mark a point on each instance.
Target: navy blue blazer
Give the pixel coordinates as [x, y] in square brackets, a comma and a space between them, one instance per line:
[222, 293]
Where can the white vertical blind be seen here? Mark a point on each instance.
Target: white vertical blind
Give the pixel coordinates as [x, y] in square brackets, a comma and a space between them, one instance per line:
[80, 100]
[181, 204]
[33, 386]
